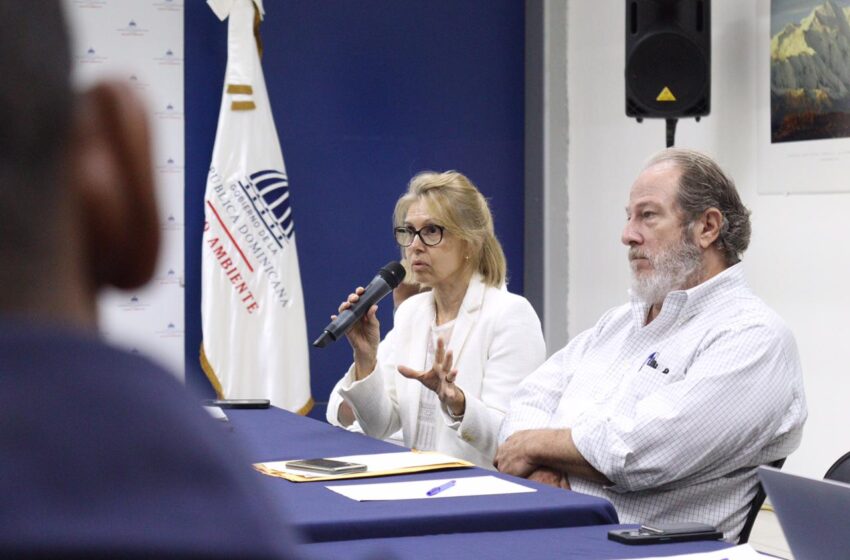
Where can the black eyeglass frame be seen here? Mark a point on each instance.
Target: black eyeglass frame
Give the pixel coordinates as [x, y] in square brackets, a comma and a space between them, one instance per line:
[414, 232]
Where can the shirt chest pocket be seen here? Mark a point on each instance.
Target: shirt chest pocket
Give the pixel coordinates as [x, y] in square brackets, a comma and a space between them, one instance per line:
[665, 368]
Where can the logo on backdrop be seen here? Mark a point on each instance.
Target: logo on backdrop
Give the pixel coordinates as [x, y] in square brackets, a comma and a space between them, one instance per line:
[170, 111]
[168, 277]
[169, 166]
[132, 29]
[254, 212]
[171, 223]
[138, 83]
[134, 303]
[90, 56]
[171, 330]
[169, 58]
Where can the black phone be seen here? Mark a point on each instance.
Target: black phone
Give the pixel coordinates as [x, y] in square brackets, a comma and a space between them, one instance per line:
[672, 532]
[238, 403]
[326, 466]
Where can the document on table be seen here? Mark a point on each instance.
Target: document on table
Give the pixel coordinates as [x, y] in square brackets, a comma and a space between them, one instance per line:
[377, 464]
[740, 552]
[424, 489]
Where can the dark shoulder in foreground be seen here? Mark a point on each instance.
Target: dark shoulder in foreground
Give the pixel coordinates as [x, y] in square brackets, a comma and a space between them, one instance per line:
[105, 454]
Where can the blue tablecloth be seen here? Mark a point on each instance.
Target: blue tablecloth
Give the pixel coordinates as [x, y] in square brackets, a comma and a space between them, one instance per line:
[578, 543]
[323, 515]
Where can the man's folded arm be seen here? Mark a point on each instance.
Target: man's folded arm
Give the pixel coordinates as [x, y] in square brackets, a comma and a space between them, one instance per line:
[527, 451]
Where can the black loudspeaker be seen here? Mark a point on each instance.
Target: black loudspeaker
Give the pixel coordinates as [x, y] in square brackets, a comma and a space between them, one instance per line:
[668, 58]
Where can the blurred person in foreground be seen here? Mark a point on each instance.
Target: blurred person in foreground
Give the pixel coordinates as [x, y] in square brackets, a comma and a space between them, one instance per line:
[667, 406]
[445, 372]
[105, 455]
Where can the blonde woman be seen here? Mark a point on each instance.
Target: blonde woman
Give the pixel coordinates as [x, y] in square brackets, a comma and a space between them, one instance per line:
[445, 373]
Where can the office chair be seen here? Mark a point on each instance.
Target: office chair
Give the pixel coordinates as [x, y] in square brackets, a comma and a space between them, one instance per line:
[840, 470]
[755, 506]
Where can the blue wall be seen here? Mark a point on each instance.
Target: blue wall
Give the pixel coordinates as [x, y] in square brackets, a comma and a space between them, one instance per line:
[365, 94]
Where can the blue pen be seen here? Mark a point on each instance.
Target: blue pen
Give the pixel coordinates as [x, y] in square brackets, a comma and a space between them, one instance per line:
[437, 489]
[650, 361]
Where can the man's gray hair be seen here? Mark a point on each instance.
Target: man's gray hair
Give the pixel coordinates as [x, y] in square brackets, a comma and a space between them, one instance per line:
[704, 185]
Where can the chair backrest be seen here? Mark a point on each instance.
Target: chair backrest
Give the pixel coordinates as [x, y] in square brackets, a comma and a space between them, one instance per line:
[755, 506]
[840, 470]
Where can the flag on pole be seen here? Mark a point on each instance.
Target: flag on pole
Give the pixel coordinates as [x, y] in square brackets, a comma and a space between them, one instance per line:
[254, 330]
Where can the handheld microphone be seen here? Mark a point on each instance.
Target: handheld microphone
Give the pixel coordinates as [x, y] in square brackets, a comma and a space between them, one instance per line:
[386, 280]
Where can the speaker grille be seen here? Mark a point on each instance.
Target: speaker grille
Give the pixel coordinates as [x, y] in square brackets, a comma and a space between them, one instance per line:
[666, 60]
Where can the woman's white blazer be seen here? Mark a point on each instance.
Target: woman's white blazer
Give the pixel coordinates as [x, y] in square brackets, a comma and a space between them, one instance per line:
[496, 342]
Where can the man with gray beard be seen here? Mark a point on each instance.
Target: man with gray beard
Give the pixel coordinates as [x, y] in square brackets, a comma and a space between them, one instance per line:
[667, 406]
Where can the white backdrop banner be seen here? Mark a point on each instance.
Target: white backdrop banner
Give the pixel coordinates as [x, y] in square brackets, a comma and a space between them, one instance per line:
[141, 43]
[255, 337]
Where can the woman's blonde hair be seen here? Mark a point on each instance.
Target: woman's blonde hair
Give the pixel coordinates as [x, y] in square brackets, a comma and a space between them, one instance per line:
[457, 205]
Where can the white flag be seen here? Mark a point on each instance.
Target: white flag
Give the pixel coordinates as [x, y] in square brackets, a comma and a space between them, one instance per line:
[255, 337]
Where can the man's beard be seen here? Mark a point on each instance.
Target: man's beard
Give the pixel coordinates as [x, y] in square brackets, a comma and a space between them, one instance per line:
[673, 268]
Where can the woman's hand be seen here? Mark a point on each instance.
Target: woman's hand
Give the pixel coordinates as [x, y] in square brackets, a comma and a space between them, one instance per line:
[364, 336]
[440, 379]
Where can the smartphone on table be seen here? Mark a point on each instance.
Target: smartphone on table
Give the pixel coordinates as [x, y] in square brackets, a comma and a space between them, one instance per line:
[326, 466]
[238, 403]
[671, 532]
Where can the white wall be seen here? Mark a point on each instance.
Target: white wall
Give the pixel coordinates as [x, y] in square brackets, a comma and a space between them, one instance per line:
[800, 252]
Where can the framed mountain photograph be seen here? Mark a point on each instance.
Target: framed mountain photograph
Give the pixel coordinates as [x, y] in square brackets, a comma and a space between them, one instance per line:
[804, 96]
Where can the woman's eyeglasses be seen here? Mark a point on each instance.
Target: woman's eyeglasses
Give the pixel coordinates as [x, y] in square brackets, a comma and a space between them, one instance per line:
[430, 235]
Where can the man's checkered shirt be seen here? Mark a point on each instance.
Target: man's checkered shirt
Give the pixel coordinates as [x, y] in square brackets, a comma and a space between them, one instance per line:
[679, 412]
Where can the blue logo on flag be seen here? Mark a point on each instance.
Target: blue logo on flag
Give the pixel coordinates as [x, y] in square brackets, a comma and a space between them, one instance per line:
[269, 190]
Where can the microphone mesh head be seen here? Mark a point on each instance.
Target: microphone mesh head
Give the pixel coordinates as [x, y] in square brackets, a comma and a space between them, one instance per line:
[392, 273]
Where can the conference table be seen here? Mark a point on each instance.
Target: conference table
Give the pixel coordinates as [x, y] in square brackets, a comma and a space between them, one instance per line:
[547, 523]
[322, 515]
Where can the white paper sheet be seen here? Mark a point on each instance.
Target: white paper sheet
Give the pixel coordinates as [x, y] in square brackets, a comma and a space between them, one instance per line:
[418, 489]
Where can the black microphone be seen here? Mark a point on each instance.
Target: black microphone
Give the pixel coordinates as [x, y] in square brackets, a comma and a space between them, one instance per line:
[387, 279]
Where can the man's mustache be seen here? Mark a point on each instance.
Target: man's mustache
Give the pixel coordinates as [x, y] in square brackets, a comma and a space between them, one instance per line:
[635, 253]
